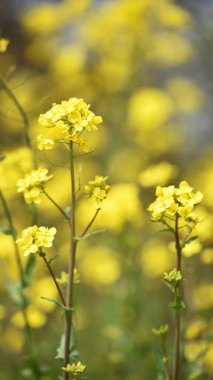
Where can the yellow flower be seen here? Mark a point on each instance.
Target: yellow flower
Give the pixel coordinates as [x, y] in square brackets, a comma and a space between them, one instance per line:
[32, 185]
[176, 201]
[3, 44]
[75, 368]
[34, 238]
[64, 278]
[45, 143]
[97, 190]
[70, 118]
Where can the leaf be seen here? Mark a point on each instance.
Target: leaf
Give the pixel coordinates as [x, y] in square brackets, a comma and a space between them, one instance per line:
[177, 304]
[67, 210]
[8, 230]
[166, 230]
[52, 259]
[189, 241]
[90, 234]
[74, 354]
[14, 290]
[58, 303]
[2, 158]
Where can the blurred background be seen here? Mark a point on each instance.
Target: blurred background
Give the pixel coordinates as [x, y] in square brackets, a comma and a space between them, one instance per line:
[145, 66]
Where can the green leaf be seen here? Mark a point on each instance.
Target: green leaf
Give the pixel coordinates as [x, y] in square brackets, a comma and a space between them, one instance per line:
[90, 234]
[166, 230]
[189, 241]
[58, 303]
[14, 290]
[67, 210]
[177, 304]
[74, 354]
[52, 259]
[8, 230]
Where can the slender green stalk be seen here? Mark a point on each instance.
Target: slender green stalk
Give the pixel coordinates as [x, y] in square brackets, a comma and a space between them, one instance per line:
[6, 87]
[21, 275]
[42, 254]
[176, 360]
[166, 364]
[57, 206]
[73, 245]
[90, 223]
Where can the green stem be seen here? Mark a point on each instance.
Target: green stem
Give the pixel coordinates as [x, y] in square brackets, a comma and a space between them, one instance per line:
[68, 322]
[42, 254]
[23, 114]
[90, 223]
[56, 205]
[166, 364]
[21, 275]
[176, 360]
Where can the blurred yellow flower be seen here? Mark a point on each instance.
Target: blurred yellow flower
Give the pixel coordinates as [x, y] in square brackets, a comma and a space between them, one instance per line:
[99, 267]
[186, 95]
[35, 317]
[195, 328]
[3, 45]
[97, 190]
[158, 173]
[203, 296]
[150, 108]
[75, 368]
[155, 259]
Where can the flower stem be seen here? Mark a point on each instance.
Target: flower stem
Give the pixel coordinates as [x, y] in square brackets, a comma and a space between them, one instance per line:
[176, 360]
[68, 322]
[56, 205]
[23, 114]
[42, 254]
[90, 223]
[166, 364]
[28, 329]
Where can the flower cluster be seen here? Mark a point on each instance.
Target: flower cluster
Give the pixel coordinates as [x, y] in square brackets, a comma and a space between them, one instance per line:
[33, 184]
[64, 278]
[175, 201]
[34, 238]
[161, 331]
[3, 45]
[97, 190]
[75, 368]
[173, 279]
[68, 120]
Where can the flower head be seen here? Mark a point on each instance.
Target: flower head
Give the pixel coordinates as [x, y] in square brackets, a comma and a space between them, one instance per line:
[75, 368]
[174, 201]
[68, 120]
[97, 190]
[33, 184]
[34, 238]
[3, 44]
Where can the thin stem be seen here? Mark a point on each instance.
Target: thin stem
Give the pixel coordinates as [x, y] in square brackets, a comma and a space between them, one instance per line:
[21, 275]
[42, 254]
[73, 245]
[90, 223]
[23, 114]
[56, 205]
[176, 361]
[166, 364]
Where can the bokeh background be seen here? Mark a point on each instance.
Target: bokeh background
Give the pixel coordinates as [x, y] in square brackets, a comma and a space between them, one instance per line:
[145, 66]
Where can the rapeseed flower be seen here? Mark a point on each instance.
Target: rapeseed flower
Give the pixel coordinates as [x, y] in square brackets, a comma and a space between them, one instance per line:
[68, 120]
[4, 42]
[32, 185]
[34, 238]
[75, 368]
[97, 190]
[173, 201]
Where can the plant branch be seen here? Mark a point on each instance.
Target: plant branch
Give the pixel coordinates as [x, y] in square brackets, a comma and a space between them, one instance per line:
[176, 360]
[42, 254]
[73, 245]
[90, 223]
[56, 205]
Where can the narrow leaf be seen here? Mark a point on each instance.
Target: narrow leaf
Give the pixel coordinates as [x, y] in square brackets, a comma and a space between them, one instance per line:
[74, 354]
[189, 241]
[58, 303]
[86, 236]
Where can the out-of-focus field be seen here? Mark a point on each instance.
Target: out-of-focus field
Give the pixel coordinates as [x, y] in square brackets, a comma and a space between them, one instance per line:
[145, 67]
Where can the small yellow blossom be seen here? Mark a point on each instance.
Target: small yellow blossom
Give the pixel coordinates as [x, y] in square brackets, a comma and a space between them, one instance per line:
[45, 143]
[3, 44]
[176, 201]
[75, 368]
[34, 238]
[97, 190]
[161, 331]
[33, 184]
[70, 118]
[64, 278]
